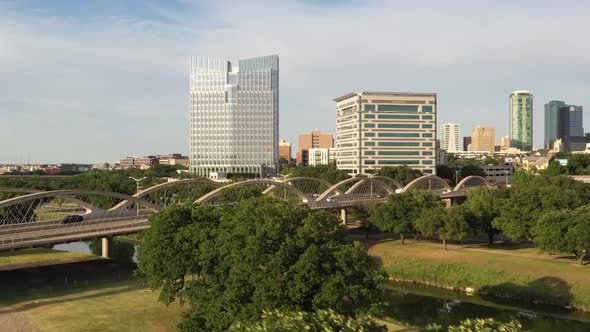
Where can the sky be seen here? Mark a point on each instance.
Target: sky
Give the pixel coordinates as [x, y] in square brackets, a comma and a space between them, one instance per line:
[96, 81]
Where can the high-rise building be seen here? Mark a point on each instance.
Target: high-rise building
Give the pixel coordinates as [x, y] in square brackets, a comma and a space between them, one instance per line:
[466, 143]
[504, 142]
[234, 115]
[483, 138]
[521, 120]
[551, 109]
[449, 137]
[321, 156]
[315, 139]
[285, 150]
[378, 129]
[563, 127]
[576, 121]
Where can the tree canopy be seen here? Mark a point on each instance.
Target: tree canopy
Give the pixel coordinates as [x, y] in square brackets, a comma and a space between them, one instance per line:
[482, 207]
[402, 174]
[232, 262]
[445, 223]
[399, 214]
[325, 172]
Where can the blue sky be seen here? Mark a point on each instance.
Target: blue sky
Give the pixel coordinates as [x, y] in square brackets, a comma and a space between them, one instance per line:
[89, 81]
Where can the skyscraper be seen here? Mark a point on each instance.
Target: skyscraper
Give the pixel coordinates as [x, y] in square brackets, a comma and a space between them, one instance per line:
[449, 137]
[521, 120]
[551, 109]
[466, 143]
[234, 115]
[378, 129]
[483, 138]
[563, 127]
[576, 121]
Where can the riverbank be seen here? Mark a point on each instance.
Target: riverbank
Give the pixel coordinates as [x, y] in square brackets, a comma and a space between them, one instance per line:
[34, 257]
[509, 272]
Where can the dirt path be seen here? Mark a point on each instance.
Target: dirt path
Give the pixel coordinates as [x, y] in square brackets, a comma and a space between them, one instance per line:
[11, 321]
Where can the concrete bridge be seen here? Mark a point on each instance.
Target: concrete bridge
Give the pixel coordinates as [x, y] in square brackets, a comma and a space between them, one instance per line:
[30, 217]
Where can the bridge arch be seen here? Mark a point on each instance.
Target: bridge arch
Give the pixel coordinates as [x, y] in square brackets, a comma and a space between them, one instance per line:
[308, 191]
[335, 187]
[430, 180]
[67, 195]
[209, 196]
[472, 179]
[388, 181]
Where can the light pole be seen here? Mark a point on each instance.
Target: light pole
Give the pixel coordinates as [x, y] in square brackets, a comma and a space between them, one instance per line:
[506, 178]
[137, 190]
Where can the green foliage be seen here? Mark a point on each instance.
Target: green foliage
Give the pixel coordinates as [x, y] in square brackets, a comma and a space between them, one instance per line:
[486, 325]
[577, 164]
[465, 168]
[296, 321]
[565, 231]
[121, 251]
[325, 172]
[231, 262]
[482, 207]
[530, 196]
[399, 214]
[402, 174]
[445, 223]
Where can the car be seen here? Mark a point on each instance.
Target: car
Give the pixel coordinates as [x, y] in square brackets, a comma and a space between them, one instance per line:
[72, 219]
[331, 198]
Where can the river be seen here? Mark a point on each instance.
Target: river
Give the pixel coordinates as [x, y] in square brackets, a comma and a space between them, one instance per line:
[416, 305]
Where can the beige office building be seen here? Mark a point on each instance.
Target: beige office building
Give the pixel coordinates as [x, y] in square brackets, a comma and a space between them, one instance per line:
[483, 138]
[313, 140]
[285, 150]
[378, 129]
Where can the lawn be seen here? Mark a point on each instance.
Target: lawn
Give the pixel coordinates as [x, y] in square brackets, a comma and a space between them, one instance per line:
[504, 271]
[39, 256]
[124, 306]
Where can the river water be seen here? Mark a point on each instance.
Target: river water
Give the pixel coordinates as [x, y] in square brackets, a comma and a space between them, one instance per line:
[416, 305]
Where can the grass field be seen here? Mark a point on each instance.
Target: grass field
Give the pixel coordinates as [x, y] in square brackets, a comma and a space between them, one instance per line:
[39, 256]
[519, 273]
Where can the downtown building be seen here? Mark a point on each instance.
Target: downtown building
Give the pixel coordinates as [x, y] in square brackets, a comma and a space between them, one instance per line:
[234, 116]
[563, 121]
[449, 137]
[379, 129]
[521, 120]
[313, 140]
[483, 139]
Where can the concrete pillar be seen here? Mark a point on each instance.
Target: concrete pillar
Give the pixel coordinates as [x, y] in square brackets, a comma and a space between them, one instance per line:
[448, 202]
[344, 217]
[107, 243]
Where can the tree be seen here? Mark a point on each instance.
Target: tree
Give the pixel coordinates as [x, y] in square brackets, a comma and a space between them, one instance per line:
[566, 231]
[402, 174]
[325, 172]
[446, 223]
[296, 321]
[401, 211]
[530, 196]
[486, 325]
[232, 262]
[483, 206]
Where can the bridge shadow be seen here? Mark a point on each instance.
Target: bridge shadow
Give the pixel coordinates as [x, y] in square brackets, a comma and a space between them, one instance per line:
[545, 290]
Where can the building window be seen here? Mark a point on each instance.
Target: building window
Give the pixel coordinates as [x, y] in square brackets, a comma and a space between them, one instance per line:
[398, 117]
[369, 153]
[399, 135]
[426, 117]
[426, 143]
[369, 116]
[427, 162]
[369, 162]
[398, 125]
[427, 109]
[398, 108]
[427, 153]
[369, 108]
[426, 135]
[399, 162]
[369, 125]
[399, 143]
[399, 153]
[369, 143]
[427, 126]
[369, 134]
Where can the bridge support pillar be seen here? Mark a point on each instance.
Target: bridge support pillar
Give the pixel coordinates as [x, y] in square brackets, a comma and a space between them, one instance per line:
[448, 202]
[107, 243]
[344, 216]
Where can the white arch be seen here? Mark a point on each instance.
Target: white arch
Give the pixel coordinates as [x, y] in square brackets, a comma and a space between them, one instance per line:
[209, 196]
[414, 183]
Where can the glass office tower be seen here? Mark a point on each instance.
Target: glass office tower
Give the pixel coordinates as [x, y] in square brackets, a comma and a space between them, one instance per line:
[234, 116]
[551, 109]
[521, 120]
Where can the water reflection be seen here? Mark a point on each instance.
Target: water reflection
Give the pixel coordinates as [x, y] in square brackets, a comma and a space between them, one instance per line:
[121, 251]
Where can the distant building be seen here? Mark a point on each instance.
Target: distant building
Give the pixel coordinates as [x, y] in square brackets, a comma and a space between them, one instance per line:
[483, 138]
[576, 121]
[378, 129]
[466, 143]
[173, 159]
[135, 162]
[315, 139]
[234, 116]
[504, 142]
[321, 156]
[521, 120]
[285, 150]
[498, 174]
[449, 137]
[551, 110]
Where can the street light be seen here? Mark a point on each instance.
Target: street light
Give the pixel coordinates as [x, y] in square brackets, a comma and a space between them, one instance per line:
[137, 190]
[506, 177]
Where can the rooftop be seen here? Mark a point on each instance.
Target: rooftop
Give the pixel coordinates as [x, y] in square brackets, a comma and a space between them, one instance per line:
[382, 93]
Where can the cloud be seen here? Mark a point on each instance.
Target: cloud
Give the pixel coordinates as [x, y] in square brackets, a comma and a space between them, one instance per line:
[117, 74]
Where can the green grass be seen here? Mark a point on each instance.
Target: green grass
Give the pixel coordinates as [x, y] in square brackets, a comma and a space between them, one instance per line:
[515, 273]
[39, 256]
[124, 306]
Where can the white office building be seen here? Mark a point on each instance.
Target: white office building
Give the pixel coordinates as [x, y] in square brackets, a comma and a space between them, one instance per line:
[234, 116]
[449, 137]
[321, 156]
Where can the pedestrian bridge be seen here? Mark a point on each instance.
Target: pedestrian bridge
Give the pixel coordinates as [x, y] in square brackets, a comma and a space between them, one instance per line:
[31, 217]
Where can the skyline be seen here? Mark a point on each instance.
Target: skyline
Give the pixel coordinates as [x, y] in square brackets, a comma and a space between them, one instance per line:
[117, 69]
